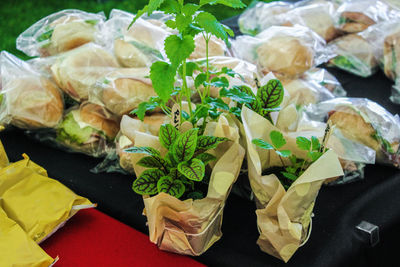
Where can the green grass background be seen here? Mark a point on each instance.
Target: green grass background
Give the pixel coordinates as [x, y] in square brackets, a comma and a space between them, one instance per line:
[18, 15]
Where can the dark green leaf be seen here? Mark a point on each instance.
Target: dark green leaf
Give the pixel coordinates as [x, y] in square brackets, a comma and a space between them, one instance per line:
[271, 94]
[142, 150]
[206, 158]
[185, 145]
[153, 162]
[167, 135]
[143, 107]
[206, 142]
[173, 187]
[277, 139]
[146, 184]
[290, 176]
[195, 195]
[303, 143]
[162, 76]
[170, 7]
[315, 143]
[178, 49]
[261, 143]
[220, 82]
[200, 79]
[194, 171]
[216, 103]
[255, 105]
[228, 71]
[236, 111]
[211, 25]
[284, 153]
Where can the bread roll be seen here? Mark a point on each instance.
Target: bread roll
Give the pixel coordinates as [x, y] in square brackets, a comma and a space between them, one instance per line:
[353, 22]
[391, 56]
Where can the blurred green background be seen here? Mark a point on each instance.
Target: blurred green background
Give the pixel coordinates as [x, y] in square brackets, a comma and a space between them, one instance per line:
[17, 15]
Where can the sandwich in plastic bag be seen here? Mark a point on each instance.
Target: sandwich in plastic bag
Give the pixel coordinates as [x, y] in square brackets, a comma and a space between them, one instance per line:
[326, 79]
[29, 100]
[60, 32]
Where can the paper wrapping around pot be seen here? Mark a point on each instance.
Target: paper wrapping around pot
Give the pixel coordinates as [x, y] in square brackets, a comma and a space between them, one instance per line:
[190, 227]
[283, 216]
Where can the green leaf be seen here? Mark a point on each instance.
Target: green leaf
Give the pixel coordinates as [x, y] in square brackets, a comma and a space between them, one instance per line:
[303, 143]
[314, 155]
[162, 76]
[206, 142]
[216, 103]
[229, 3]
[142, 150]
[194, 171]
[315, 143]
[277, 139]
[153, 5]
[236, 111]
[271, 94]
[138, 15]
[220, 82]
[190, 68]
[153, 162]
[45, 36]
[254, 105]
[190, 9]
[145, 106]
[146, 184]
[200, 79]
[206, 158]
[178, 49]
[195, 195]
[92, 22]
[284, 153]
[211, 25]
[170, 7]
[171, 24]
[182, 22]
[261, 143]
[173, 187]
[185, 145]
[167, 135]
[290, 176]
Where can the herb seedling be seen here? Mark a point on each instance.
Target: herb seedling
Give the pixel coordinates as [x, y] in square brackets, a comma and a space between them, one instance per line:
[184, 164]
[291, 172]
[188, 20]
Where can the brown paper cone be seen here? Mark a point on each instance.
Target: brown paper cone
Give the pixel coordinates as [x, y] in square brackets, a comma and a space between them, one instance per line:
[283, 216]
[191, 226]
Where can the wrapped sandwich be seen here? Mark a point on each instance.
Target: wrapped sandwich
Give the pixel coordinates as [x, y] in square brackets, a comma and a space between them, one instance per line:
[28, 100]
[77, 70]
[391, 53]
[326, 79]
[60, 32]
[357, 15]
[88, 129]
[363, 121]
[260, 16]
[122, 89]
[216, 47]
[286, 51]
[141, 44]
[354, 54]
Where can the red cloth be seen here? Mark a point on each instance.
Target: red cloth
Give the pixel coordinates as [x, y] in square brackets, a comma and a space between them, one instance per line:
[92, 238]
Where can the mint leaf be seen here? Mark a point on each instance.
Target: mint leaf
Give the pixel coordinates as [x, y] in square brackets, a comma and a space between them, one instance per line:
[236, 95]
[271, 94]
[142, 150]
[190, 68]
[216, 103]
[170, 7]
[173, 187]
[193, 171]
[153, 5]
[190, 9]
[314, 156]
[220, 82]
[200, 79]
[303, 143]
[178, 49]
[206, 158]
[162, 76]
[290, 176]
[261, 143]
[315, 143]
[229, 3]
[152, 104]
[205, 142]
[277, 139]
[284, 153]
[182, 22]
[185, 145]
[167, 135]
[211, 25]
[146, 184]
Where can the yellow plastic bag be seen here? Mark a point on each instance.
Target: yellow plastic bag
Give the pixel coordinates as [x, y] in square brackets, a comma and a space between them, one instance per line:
[17, 249]
[40, 205]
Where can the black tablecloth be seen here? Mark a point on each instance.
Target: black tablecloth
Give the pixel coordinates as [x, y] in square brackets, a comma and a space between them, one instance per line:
[334, 240]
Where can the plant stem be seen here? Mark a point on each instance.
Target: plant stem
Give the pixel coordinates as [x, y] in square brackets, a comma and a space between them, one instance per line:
[283, 163]
[186, 90]
[207, 40]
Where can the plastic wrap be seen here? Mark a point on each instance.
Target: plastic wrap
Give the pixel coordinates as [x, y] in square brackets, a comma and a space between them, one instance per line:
[395, 97]
[140, 45]
[286, 51]
[354, 54]
[216, 47]
[29, 100]
[60, 32]
[77, 70]
[317, 16]
[260, 16]
[365, 122]
[122, 90]
[326, 79]
[357, 15]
